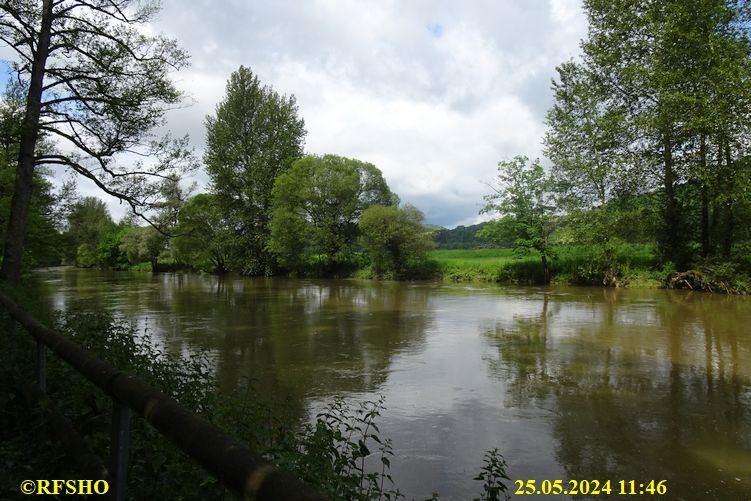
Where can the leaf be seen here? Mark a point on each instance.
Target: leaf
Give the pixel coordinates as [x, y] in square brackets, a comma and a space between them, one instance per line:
[363, 448]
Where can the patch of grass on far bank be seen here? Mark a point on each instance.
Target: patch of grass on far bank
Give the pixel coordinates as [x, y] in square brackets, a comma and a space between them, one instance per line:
[637, 264]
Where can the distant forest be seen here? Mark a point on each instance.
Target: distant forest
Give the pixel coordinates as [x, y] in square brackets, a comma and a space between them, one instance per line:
[462, 237]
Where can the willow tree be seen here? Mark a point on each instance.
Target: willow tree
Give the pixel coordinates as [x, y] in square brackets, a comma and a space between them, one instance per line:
[95, 85]
[317, 205]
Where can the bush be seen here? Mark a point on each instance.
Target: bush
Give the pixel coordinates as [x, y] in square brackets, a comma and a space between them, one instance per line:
[334, 454]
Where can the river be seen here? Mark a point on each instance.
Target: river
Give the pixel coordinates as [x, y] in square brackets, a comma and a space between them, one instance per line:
[569, 383]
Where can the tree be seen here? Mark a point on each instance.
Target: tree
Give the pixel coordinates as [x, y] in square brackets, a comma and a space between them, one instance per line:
[88, 223]
[316, 207]
[585, 142]
[204, 238]
[461, 237]
[593, 173]
[95, 84]
[678, 73]
[395, 240]
[142, 244]
[109, 252]
[523, 199]
[43, 242]
[254, 137]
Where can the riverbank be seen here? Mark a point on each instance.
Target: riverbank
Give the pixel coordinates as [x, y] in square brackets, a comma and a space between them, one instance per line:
[632, 265]
[635, 266]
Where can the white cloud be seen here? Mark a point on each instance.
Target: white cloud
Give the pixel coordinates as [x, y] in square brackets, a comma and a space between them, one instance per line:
[434, 93]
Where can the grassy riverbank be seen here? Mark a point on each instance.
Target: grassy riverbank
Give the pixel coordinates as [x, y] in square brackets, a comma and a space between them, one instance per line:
[635, 265]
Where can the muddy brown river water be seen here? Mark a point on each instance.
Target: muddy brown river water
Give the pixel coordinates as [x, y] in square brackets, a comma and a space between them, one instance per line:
[569, 383]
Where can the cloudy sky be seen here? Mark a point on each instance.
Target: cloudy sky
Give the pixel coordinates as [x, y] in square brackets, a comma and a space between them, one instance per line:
[434, 93]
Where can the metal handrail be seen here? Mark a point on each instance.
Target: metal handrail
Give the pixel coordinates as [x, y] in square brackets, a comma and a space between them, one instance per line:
[241, 470]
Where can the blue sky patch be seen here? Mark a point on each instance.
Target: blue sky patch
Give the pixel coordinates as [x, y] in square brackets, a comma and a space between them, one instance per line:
[435, 29]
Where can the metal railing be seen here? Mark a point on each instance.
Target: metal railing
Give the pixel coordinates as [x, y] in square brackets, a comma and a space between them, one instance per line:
[242, 471]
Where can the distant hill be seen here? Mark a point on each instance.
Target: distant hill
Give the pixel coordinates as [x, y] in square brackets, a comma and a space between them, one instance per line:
[461, 237]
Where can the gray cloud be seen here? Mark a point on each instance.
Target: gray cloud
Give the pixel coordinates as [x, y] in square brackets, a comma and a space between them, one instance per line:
[434, 93]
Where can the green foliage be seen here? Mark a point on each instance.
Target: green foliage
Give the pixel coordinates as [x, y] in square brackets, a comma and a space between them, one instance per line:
[492, 476]
[253, 138]
[335, 451]
[98, 241]
[636, 265]
[343, 453]
[140, 244]
[523, 199]
[709, 276]
[88, 223]
[42, 241]
[109, 252]
[585, 142]
[203, 238]
[94, 82]
[462, 237]
[657, 106]
[317, 205]
[86, 256]
[395, 240]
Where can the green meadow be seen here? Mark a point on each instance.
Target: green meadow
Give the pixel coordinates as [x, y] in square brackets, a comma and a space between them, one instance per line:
[635, 265]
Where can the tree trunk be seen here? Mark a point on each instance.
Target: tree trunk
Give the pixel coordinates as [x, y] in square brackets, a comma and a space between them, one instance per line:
[672, 247]
[13, 252]
[727, 243]
[715, 224]
[704, 197]
[545, 268]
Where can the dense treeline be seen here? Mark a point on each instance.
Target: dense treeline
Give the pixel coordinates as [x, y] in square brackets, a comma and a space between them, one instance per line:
[649, 130]
[270, 209]
[462, 237]
[273, 210]
[647, 141]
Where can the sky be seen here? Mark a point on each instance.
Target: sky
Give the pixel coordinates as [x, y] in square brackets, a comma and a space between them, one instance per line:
[433, 92]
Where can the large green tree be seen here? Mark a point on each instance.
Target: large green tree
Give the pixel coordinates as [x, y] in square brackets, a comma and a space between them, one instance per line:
[89, 222]
[254, 137]
[317, 206]
[594, 174]
[43, 245]
[142, 244]
[676, 75]
[95, 83]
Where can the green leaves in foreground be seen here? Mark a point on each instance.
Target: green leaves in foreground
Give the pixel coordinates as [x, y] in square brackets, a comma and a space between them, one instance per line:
[492, 475]
[342, 453]
[336, 450]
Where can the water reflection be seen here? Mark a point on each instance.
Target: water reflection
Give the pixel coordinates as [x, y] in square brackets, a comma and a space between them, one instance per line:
[639, 389]
[300, 338]
[569, 383]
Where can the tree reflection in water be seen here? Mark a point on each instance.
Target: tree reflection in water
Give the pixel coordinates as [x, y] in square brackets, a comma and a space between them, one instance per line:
[639, 390]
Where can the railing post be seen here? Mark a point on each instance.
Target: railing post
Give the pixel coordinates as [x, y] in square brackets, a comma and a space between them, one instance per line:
[119, 449]
[41, 366]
